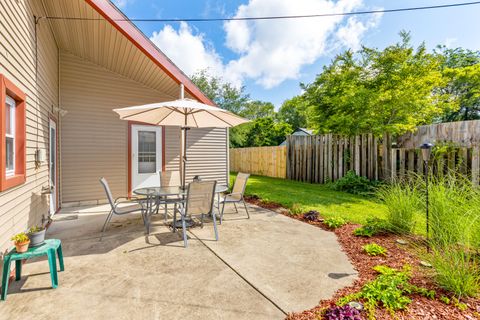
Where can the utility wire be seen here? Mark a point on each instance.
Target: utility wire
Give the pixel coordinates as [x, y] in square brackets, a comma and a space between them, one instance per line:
[462, 4]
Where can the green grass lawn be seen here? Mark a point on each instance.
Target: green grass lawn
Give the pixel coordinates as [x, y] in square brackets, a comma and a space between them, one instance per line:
[306, 196]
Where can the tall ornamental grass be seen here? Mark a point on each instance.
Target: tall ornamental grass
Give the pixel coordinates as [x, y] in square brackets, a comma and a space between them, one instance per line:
[404, 203]
[455, 240]
[454, 219]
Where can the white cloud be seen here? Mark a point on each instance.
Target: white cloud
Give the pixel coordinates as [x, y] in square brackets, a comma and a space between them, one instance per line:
[272, 51]
[189, 51]
[269, 51]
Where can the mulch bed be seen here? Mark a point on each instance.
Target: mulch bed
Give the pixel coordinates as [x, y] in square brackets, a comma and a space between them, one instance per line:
[398, 255]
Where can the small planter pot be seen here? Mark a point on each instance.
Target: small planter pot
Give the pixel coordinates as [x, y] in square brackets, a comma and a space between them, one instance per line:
[37, 238]
[22, 247]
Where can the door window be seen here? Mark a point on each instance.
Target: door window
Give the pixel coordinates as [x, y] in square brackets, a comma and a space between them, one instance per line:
[147, 152]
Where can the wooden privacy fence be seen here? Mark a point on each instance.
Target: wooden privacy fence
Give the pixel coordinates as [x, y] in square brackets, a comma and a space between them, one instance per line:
[324, 158]
[265, 161]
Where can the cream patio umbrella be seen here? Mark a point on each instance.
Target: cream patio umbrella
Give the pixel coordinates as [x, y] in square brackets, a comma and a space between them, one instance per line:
[185, 113]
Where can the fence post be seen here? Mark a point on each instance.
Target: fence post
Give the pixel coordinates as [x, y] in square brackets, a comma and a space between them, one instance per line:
[357, 155]
[475, 165]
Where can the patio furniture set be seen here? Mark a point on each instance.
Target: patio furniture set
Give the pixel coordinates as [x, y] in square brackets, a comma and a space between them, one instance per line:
[196, 199]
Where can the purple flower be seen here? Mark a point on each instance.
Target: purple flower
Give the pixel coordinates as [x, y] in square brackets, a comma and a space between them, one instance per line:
[342, 313]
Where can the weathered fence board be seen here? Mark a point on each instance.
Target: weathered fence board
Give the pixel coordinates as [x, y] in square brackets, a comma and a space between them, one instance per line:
[323, 158]
[265, 161]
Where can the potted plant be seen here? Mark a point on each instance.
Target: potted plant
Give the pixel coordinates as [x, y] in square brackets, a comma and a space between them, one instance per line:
[21, 242]
[36, 235]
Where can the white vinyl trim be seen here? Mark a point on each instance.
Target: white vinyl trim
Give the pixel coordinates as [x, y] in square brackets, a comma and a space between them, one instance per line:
[10, 103]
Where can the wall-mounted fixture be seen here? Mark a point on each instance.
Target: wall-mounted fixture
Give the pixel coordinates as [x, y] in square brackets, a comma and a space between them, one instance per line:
[60, 111]
[40, 156]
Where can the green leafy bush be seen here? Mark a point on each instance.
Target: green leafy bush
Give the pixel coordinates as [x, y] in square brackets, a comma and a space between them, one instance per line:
[20, 238]
[390, 289]
[352, 183]
[373, 249]
[373, 227]
[403, 202]
[334, 222]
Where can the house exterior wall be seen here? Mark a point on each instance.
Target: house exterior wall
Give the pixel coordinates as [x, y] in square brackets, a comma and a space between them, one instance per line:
[207, 150]
[94, 141]
[23, 206]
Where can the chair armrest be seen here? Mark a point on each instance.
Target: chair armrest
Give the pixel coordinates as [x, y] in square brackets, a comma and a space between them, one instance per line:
[127, 199]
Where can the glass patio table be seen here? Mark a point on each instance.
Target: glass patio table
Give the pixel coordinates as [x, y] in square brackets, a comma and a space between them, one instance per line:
[154, 193]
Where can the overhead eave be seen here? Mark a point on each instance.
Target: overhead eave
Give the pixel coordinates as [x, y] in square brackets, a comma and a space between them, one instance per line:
[118, 20]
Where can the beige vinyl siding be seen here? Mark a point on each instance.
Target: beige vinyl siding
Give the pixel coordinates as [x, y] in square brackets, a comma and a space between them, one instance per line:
[94, 140]
[172, 148]
[207, 154]
[24, 205]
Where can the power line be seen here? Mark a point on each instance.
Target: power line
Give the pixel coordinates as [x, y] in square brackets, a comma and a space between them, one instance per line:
[276, 17]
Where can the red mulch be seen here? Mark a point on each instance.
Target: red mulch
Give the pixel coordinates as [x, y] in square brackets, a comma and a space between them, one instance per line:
[398, 255]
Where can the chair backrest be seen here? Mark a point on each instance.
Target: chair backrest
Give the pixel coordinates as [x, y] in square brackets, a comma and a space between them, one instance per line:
[170, 179]
[240, 185]
[104, 183]
[200, 197]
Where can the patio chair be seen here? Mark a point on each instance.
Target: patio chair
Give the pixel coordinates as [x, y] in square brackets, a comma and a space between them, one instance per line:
[199, 201]
[237, 194]
[168, 179]
[121, 210]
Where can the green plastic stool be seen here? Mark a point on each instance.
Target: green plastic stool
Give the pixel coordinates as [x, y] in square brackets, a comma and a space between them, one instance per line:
[49, 248]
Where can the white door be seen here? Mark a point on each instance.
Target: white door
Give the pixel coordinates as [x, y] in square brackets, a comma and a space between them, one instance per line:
[52, 160]
[146, 156]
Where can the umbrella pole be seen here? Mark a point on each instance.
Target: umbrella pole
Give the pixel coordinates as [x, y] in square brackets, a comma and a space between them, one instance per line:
[184, 157]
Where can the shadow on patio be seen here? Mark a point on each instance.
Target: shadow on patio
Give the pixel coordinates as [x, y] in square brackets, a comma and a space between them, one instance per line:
[250, 273]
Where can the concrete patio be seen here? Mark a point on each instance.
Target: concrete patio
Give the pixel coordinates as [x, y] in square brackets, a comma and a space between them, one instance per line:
[261, 268]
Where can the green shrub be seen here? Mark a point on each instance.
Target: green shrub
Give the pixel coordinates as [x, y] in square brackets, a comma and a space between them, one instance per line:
[354, 184]
[390, 289]
[373, 249]
[403, 202]
[373, 227]
[334, 222]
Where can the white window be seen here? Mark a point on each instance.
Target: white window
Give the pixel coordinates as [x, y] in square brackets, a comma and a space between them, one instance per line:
[10, 135]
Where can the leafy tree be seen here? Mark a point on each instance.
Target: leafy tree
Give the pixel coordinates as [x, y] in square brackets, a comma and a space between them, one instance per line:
[257, 109]
[461, 68]
[224, 94]
[267, 132]
[391, 90]
[294, 112]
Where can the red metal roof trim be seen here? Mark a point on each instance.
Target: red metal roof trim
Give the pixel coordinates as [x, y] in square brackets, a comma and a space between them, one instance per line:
[129, 30]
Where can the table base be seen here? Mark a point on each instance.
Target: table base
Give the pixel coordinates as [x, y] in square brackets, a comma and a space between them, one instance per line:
[188, 223]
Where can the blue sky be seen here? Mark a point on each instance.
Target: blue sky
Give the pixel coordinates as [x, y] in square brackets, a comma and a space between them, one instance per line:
[271, 58]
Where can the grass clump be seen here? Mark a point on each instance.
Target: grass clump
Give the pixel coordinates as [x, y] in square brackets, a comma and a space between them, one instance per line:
[335, 222]
[454, 237]
[456, 271]
[373, 249]
[354, 184]
[403, 202]
[390, 290]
